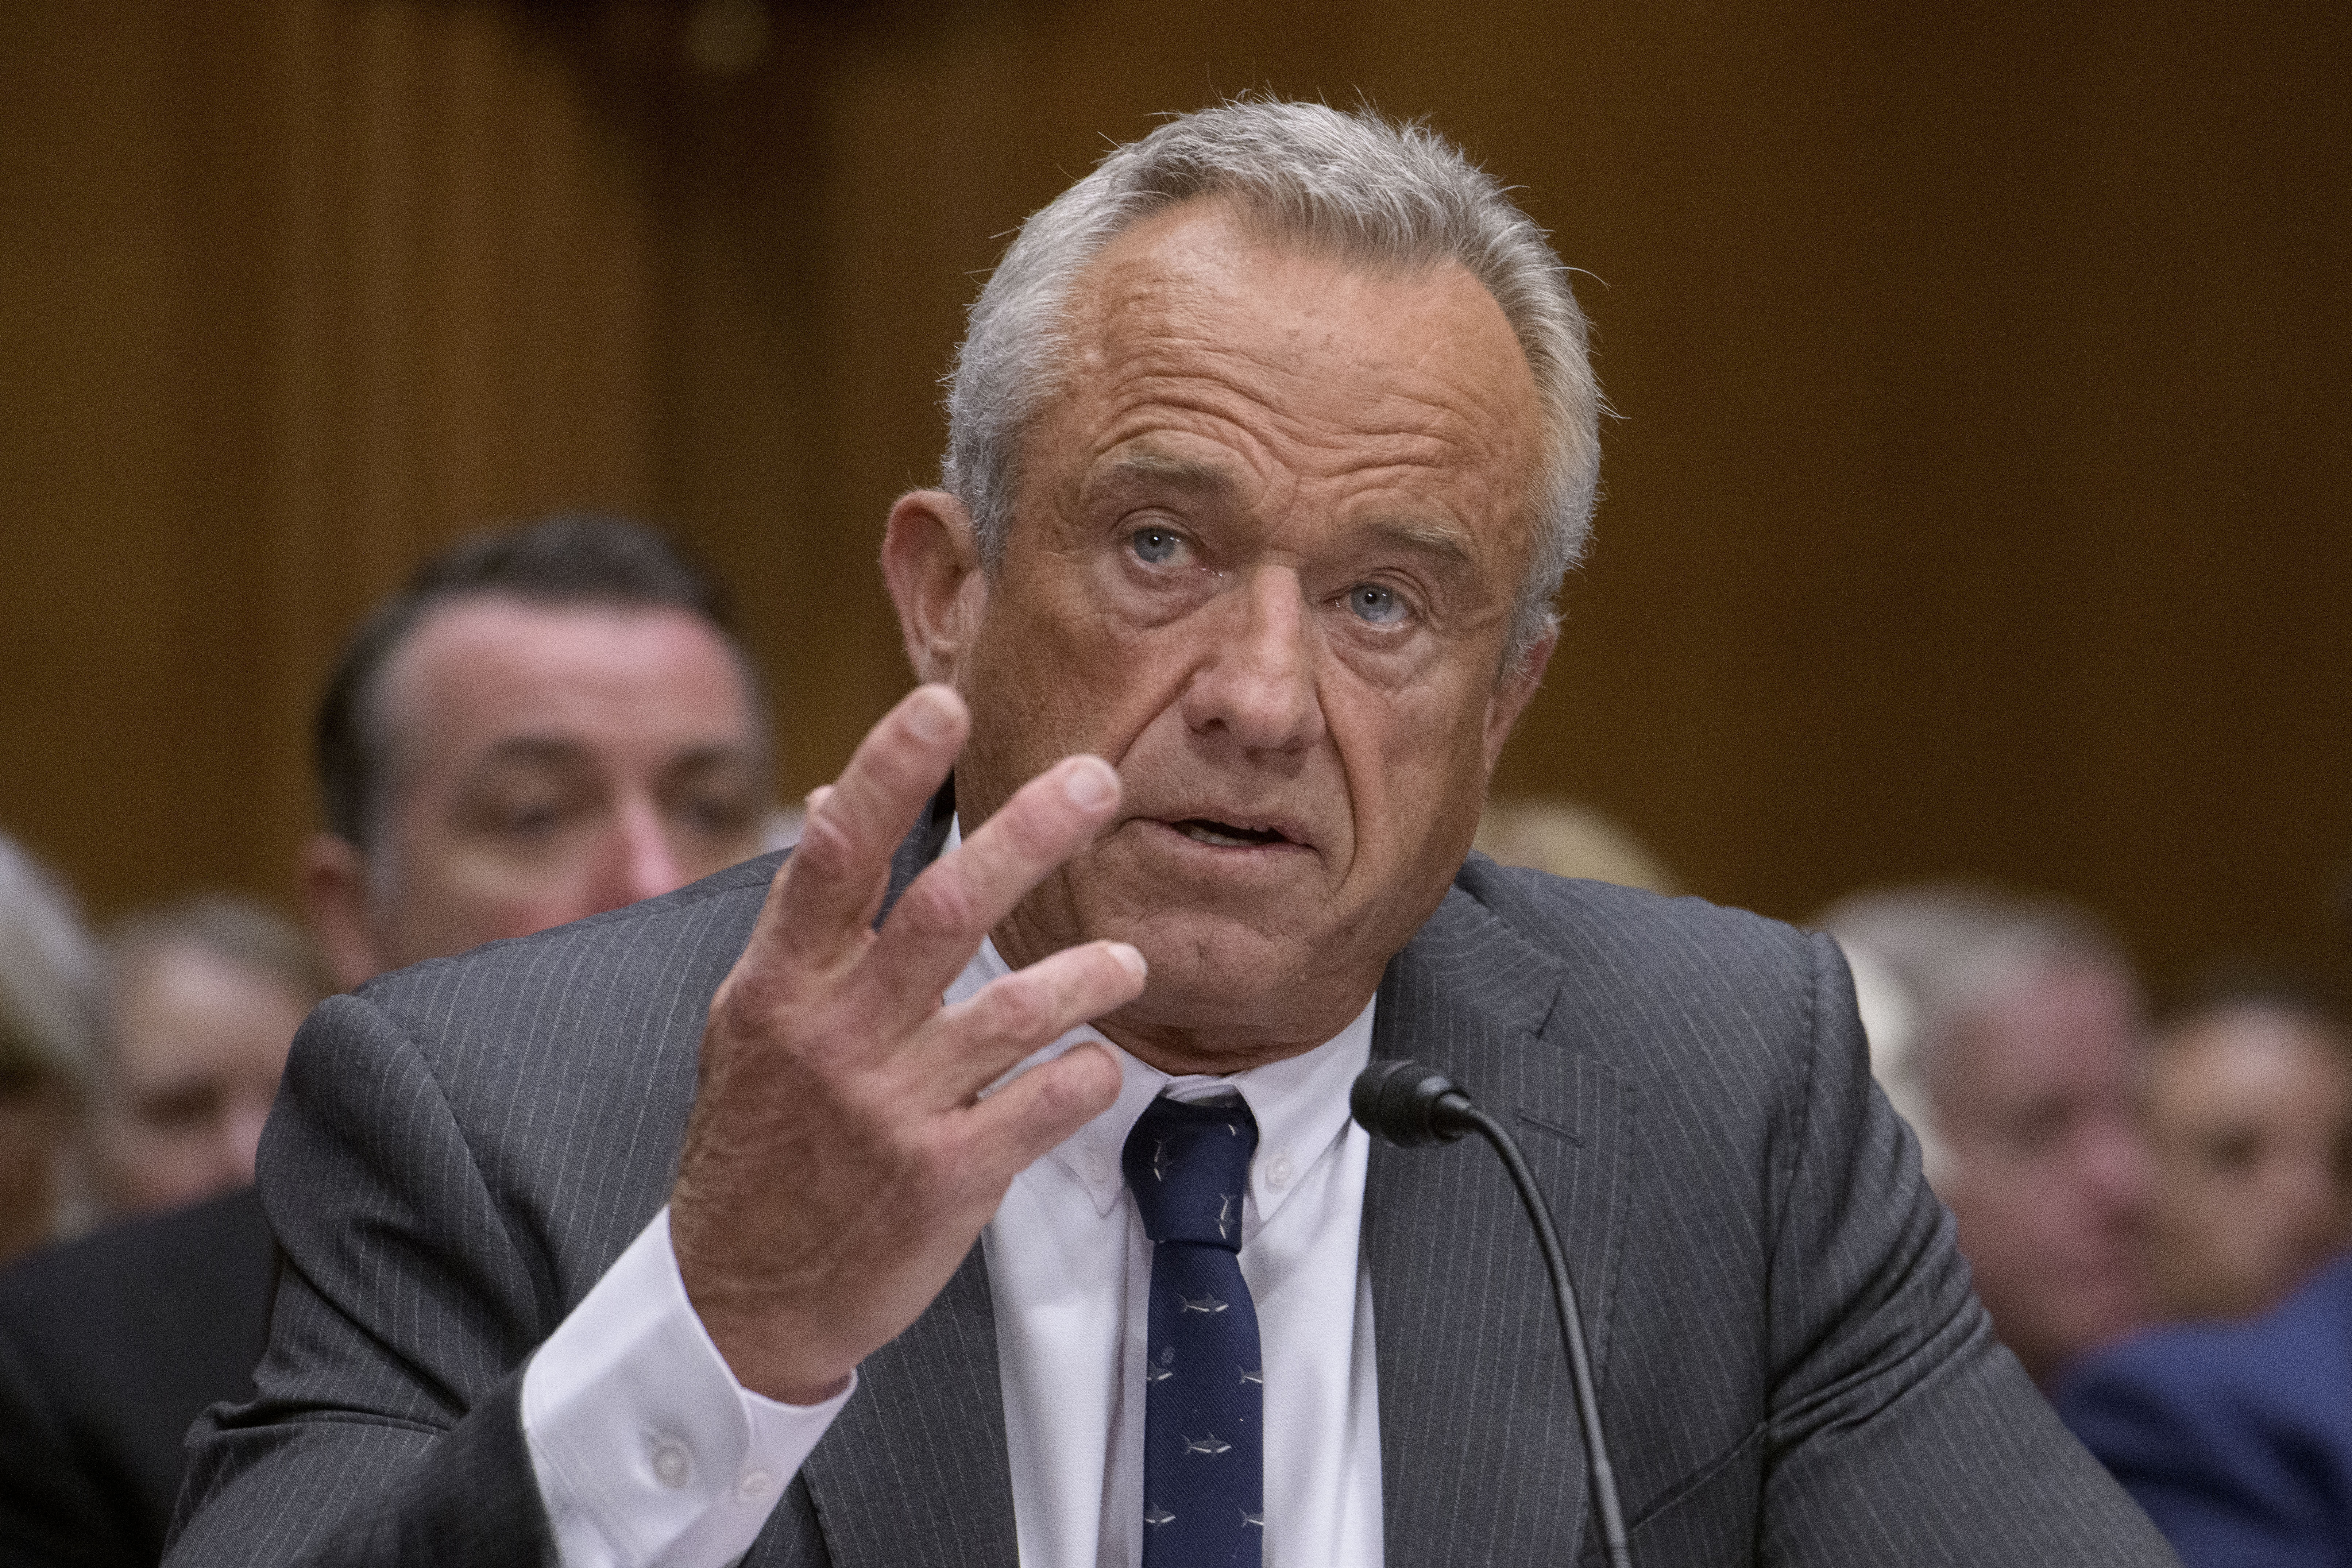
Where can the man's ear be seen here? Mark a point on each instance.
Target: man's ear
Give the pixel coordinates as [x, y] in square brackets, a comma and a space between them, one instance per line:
[931, 558]
[1512, 694]
[334, 875]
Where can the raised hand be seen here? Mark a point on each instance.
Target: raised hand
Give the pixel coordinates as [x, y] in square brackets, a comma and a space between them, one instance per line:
[838, 1163]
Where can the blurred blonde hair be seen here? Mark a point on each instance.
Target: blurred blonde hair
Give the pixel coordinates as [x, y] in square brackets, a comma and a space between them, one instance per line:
[1567, 839]
[48, 1035]
[48, 978]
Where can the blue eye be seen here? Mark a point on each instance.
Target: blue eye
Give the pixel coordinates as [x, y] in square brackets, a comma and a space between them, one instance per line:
[1154, 546]
[1372, 603]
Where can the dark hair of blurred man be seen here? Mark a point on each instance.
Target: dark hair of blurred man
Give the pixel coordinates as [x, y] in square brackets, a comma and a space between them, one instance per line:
[2250, 1112]
[2017, 1059]
[543, 725]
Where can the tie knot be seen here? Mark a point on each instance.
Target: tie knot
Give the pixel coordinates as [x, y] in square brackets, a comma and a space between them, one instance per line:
[1188, 1166]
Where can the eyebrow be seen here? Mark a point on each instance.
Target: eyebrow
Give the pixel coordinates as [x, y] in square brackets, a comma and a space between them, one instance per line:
[1443, 542]
[1183, 473]
[544, 751]
[552, 751]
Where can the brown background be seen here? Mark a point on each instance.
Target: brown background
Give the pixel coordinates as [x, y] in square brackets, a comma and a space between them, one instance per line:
[1979, 503]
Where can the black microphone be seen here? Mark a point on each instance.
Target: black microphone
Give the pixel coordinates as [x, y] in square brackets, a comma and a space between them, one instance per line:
[1412, 1106]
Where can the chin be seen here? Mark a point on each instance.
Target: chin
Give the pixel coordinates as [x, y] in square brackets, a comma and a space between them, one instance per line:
[1212, 955]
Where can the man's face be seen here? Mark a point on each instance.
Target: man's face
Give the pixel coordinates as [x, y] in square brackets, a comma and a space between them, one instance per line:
[545, 764]
[193, 1061]
[2250, 1110]
[1267, 540]
[2037, 1100]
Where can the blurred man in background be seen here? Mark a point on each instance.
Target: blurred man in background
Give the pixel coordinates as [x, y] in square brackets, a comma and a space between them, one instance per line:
[2007, 1030]
[203, 997]
[2236, 1437]
[2250, 1110]
[544, 725]
[48, 1008]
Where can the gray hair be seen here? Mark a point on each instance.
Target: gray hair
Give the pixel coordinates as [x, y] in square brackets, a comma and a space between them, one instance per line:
[1353, 184]
[1925, 959]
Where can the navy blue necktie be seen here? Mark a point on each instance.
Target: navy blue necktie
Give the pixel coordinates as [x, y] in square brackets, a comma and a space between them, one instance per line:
[1204, 1411]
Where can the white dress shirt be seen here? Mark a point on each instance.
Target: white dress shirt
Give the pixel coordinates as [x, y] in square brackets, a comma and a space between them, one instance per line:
[647, 1451]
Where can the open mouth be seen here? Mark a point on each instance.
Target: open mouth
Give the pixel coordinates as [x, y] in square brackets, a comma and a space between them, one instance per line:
[1226, 834]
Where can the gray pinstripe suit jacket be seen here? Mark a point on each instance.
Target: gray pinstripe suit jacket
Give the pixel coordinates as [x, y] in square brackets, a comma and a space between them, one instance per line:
[1792, 1367]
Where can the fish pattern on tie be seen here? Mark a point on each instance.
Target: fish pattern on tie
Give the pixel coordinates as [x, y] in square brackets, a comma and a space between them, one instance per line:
[1204, 1384]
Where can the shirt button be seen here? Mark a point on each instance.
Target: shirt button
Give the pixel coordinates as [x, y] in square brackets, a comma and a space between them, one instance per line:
[753, 1485]
[1278, 1174]
[672, 1465]
[1097, 1167]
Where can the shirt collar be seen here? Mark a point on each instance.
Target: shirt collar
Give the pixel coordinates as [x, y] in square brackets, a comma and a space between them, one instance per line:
[1301, 1103]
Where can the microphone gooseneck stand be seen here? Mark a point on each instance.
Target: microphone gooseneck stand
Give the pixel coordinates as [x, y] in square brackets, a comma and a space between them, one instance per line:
[1413, 1106]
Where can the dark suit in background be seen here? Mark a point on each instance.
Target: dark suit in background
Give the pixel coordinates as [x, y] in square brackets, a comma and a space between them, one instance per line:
[1791, 1366]
[2236, 1438]
[109, 1348]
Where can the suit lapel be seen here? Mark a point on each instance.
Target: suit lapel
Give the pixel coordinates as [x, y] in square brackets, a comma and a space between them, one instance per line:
[913, 1472]
[1480, 1458]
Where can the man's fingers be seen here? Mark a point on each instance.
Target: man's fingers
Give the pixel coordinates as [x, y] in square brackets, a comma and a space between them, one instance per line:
[830, 886]
[964, 1048]
[1038, 1109]
[943, 915]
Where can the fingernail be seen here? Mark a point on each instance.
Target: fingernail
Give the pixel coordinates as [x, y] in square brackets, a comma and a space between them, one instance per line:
[815, 802]
[932, 714]
[1129, 958]
[1091, 783]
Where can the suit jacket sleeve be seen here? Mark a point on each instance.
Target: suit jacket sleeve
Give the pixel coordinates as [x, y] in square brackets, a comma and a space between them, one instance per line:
[387, 1428]
[1899, 1429]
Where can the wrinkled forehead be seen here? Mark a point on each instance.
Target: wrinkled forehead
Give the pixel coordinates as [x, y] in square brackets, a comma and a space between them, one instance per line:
[1319, 342]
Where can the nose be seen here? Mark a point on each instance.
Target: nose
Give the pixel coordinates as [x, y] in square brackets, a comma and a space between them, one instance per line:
[1257, 679]
[2117, 1168]
[644, 863]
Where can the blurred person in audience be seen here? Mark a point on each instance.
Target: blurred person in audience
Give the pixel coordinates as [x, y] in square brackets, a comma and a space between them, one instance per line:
[544, 725]
[2236, 1437]
[2250, 1112]
[2008, 1031]
[1568, 839]
[48, 989]
[203, 997]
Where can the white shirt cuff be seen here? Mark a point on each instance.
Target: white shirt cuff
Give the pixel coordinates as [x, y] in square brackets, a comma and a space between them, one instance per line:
[645, 1446]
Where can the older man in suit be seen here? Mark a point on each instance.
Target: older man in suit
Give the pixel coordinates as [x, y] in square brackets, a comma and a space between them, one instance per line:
[976, 1185]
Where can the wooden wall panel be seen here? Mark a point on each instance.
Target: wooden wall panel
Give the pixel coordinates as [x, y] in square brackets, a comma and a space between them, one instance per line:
[1947, 532]
[305, 290]
[1977, 505]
